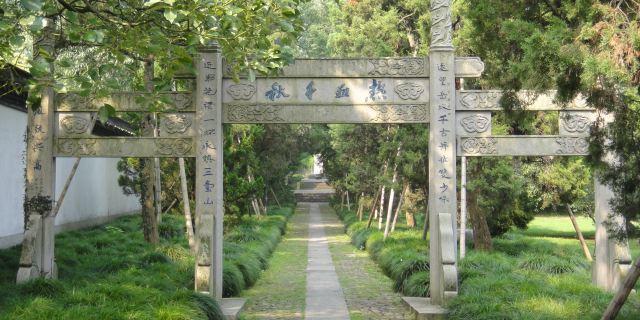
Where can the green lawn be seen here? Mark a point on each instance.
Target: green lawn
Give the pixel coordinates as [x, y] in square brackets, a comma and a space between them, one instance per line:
[559, 226]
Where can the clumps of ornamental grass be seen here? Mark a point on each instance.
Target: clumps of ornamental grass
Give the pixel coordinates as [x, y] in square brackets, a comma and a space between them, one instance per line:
[110, 272]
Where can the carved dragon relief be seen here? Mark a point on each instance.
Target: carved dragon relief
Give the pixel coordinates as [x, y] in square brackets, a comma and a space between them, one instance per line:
[441, 30]
[176, 123]
[261, 113]
[575, 123]
[396, 67]
[479, 100]
[74, 125]
[479, 146]
[475, 123]
[175, 147]
[409, 90]
[77, 147]
[572, 145]
[400, 113]
[242, 91]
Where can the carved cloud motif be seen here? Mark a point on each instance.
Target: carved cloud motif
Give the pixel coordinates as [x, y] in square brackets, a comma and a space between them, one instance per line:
[475, 123]
[409, 90]
[400, 113]
[576, 123]
[572, 145]
[177, 123]
[395, 67]
[176, 147]
[77, 147]
[241, 91]
[482, 100]
[74, 125]
[478, 146]
[254, 113]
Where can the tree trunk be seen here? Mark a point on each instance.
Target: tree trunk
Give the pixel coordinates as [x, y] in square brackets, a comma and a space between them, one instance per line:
[623, 293]
[186, 206]
[395, 216]
[411, 219]
[348, 201]
[275, 197]
[481, 234]
[583, 243]
[360, 206]
[425, 228]
[149, 216]
[381, 209]
[373, 207]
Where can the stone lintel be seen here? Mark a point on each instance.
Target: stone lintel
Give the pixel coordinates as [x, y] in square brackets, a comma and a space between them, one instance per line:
[522, 146]
[401, 67]
[142, 147]
[424, 310]
[128, 101]
[489, 100]
[379, 113]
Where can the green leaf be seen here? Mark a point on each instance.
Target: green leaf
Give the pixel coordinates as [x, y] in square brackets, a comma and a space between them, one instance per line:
[149, 3]
[105, 112]
[90, 36]
[38, 24]
[16, 40]
[32, 5]
[170, 15]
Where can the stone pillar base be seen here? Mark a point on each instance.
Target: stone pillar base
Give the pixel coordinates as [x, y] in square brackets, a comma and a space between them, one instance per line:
[231, 307]
[424, 310]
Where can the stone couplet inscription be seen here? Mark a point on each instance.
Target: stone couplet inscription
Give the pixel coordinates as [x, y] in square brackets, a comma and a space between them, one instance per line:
[209, 207]
[442, 152]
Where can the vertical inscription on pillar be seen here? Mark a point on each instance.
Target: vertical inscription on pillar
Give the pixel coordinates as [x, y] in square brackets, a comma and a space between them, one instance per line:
[209, 173]
[442, 149]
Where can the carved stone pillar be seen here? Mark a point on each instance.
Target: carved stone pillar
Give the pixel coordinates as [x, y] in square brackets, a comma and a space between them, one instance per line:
[442, 145]
[37, 258]
[209, 166]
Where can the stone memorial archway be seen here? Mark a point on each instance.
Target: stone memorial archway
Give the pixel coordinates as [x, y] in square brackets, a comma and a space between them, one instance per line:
[388, 90]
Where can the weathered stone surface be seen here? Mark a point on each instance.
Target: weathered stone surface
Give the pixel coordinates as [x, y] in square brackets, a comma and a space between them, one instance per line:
[365, 67]
[576, 123]
[424, 310]
[209, 162]
[473, 123]
[479, 100]
[178, 125]
[404, 113]
[125, 147]
[127, 101]
[522, 146]
[326, 91]
[231, 307]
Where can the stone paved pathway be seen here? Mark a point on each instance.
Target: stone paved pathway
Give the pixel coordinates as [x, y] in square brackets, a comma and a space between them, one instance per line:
[335, 281]
[369, 293]
[324, 298]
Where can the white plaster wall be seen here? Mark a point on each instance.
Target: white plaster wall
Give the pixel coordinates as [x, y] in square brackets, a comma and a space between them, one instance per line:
[94, 196]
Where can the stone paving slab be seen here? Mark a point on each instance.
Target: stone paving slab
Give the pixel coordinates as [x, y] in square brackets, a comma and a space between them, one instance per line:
[324, 297]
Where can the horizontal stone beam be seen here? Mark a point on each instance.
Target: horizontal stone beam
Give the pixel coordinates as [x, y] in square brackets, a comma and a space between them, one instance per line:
[128, 101]
[336, 91]
[124, 147]
[522, 146]
[378, 113]
[466, 67]
[489, 100]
